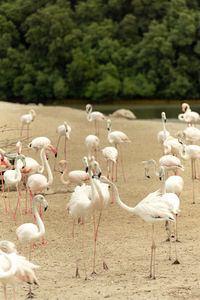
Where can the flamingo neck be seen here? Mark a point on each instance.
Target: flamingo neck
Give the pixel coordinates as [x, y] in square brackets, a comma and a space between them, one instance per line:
[122, 204]
[66, 182]
[164, 128]
[12, 268]
[41, 167]
[184, 154]
[38, 219]
[49, 173]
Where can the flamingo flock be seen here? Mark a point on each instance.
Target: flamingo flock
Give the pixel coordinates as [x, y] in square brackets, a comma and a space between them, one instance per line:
[91, 189]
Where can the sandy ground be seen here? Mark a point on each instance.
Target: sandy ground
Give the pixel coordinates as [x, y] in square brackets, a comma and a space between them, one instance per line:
[126, 239]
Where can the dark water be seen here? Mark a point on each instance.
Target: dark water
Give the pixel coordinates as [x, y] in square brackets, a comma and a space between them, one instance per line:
[144, 111]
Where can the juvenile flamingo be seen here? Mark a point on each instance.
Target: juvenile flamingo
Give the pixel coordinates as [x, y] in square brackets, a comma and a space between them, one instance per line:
[26, 120]
[62, 130]
[23, 269]
[152, 210]
[117, 138]
[95, 116]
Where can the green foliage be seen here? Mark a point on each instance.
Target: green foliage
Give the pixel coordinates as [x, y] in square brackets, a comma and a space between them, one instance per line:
[99, 49]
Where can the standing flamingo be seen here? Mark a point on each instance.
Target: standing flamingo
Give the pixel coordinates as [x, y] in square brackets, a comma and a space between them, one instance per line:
[13, 177]
[116, 138]
[26, 120]
[190, 117]
[76, 176]
[95, 116]
[23, 269]
[163, 134]
[151, 209]
[62, 130]
[92, 143]
[4, 165]
[191, 152]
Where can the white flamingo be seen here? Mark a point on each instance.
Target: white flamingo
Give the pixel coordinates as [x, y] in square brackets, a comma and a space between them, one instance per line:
[24, 269]
[29, 232]
[171, 146]
[163, 134]
[191, 152]
[190, 117]
[95, 116]
[4, 165]
[117, 138]
[189, 135]
[26, 120]
[13, 177]
[92, 143]
[151, 209]
[77, 177]
[62, 130]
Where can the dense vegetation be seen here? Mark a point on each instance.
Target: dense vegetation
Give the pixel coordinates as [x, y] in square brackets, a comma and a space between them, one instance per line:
[99, 49]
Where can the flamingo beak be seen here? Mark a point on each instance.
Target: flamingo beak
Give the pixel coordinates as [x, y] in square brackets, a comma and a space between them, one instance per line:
[54, 150]
[86, 169]
[45, 208]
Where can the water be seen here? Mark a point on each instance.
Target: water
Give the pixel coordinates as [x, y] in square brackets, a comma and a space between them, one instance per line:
[144, 111]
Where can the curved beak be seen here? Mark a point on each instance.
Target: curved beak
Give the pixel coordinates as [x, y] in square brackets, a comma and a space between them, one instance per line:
[45, 208]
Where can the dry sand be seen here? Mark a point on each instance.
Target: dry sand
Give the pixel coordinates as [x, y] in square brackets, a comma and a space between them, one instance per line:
[125, 237]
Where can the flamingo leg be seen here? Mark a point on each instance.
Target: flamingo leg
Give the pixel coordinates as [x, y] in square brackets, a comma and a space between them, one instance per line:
[112, 178]
[116, 166]
[28, 136]
[95, 244]
[26, 190]
[65, 149]
[30, 293]
[107, 166]
[83, 247]
[176, 262]
[105, 267]
[152, 260]
[74, 246]
[5, 292]
[3, 195]
[122, 164]
[18, 202]
[193, 182]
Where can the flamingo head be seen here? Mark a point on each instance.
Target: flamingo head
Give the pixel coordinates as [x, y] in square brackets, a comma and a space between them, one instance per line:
[108, 124]
[185, 106]
[88, 108]
[163, 115]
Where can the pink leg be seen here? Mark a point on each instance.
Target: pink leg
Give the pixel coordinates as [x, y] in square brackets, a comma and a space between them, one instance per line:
[74, 246]
[95, 244]
[3, 195]
[26, 190]
[18, 201]
[193, 182]
[83, 247]
[116, 166]
[31, 198]
[122, 164]
[28, 135]
[107, 166]
[112, 178]
[65, 151]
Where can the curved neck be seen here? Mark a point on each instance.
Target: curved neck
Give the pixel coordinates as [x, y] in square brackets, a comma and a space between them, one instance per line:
[62, 177]
[18, 172]
[117, 198]
[49, 173]
[12, 268]
[152, 161]
[164, 128]
[41, 167]
[38, 219]
[164, 182]
[93, 188]
[184, 154]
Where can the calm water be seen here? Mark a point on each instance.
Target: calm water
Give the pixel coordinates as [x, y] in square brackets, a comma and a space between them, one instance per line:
[144, 111]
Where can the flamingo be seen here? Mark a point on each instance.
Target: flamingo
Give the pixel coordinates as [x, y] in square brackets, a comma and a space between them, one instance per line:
[85, 200]
[26, 120]
[13, 177]
[40, 142]
[163, 134]
[62, 130]
[92, 143]
[152, 210]
[171, 146]
[95, 116]
[190, 135]
[170, 162]
[76, 176]
[191, 152]
[190, 117]
[23, 270]
[116, 138]
[110, 154]
[173, 184]
[29, 232]
[4, 165]
[31, 167]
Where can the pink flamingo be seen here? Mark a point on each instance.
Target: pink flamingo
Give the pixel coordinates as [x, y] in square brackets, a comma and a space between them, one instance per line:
[26, 120]
[117, 138]
[40, 142]
[110, 154]
[190, 117]
[13, 177]
[22, 269]
[62, 130]
[77, 177]
[92, 143]
[95, 116]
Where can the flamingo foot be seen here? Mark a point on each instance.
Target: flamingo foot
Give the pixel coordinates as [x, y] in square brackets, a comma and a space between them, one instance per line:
[77, 273]
[177, 241]
[93, 273]
[44, 243]
[30, 295]
[25, 212]
[176, 262]
[35, 245]
[105, 266]
[5, 212]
